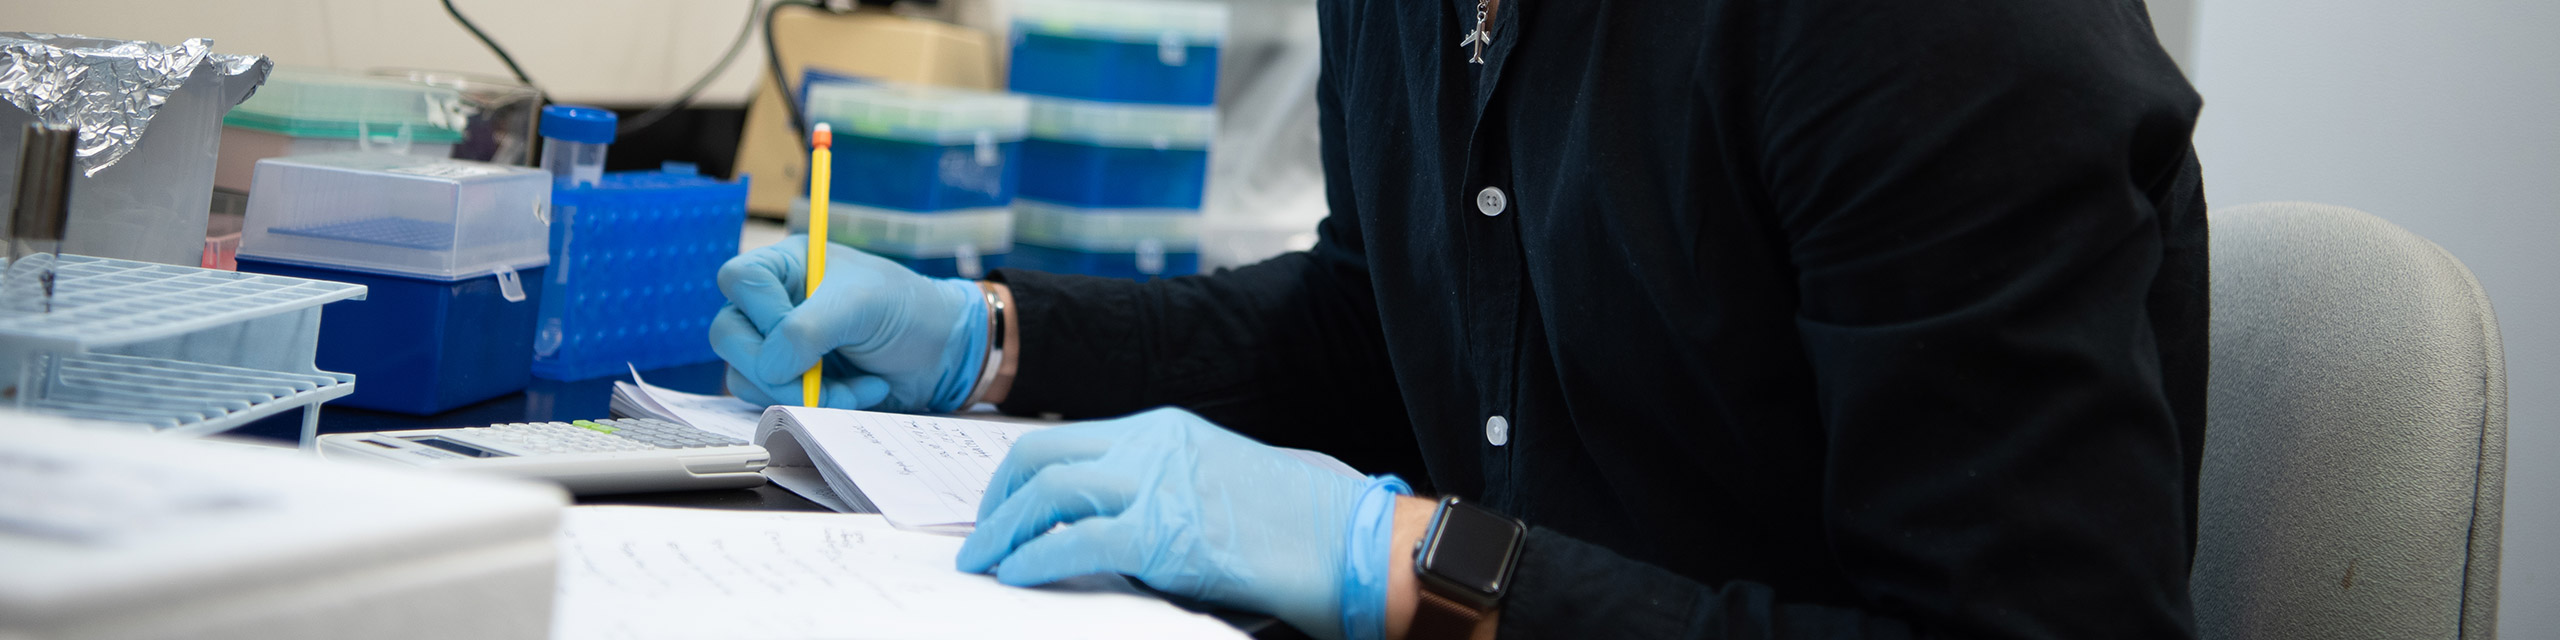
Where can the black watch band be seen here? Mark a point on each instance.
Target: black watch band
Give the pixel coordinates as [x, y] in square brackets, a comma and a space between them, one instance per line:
[1438, 618]
[1463, 564]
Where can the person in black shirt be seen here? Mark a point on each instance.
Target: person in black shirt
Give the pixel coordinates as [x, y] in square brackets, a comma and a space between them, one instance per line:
[1769, 318]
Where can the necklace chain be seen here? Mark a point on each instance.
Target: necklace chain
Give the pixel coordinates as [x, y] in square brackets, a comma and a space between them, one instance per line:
[1481, 35]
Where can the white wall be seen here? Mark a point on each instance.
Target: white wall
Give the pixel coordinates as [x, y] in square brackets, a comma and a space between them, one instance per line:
[615, 52]
[2174, 21]
[2443, 117]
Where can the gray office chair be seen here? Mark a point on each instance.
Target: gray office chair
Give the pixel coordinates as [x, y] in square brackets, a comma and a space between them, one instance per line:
[2355, 441]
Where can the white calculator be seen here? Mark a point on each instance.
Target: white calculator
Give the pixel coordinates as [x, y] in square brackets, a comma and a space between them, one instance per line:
[587, 457]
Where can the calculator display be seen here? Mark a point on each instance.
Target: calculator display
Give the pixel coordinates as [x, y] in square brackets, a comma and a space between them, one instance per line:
[456, 447]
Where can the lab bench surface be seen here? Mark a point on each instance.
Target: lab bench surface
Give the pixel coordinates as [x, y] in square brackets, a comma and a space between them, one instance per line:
[550, 400]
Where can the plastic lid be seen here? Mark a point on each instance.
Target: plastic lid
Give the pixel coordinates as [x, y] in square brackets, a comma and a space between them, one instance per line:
[1105, 230]
[321, 103]
[578, 123]
[430, 218]
[1120, 124]
[1147, 21]
[918, 113]
[941, 234]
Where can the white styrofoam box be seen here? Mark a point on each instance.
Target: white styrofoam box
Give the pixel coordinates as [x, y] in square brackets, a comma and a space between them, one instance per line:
[111, 535]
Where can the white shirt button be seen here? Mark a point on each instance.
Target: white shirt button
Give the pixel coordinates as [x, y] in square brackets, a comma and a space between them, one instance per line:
[1497, 431]
[1492, 201]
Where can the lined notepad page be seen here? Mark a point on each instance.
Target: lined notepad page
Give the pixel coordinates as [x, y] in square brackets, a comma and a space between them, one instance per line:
[646, 572]
[921, 471]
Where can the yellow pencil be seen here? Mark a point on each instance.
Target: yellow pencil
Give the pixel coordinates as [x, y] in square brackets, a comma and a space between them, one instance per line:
[821, 169]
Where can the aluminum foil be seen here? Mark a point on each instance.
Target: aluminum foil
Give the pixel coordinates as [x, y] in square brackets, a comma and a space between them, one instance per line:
[111, 88]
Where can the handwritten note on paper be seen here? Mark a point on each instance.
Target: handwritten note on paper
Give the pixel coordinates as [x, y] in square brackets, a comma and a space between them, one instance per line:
[919, 470]
[641, 572]
[926, 473]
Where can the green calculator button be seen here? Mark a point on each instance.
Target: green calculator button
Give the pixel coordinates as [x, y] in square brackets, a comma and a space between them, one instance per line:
[592, 425]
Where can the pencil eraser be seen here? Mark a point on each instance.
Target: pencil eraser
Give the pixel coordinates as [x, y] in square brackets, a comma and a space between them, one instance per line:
[825, 136]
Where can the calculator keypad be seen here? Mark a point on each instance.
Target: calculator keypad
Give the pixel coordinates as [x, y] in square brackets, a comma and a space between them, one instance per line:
[598, 436]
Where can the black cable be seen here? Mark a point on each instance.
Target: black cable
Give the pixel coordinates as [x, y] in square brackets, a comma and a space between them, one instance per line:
[650, 117]
[772, 62]
[773, 67]
[491, 44]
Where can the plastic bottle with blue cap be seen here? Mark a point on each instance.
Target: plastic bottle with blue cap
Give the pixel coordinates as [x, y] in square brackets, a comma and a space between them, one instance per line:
[574, 139]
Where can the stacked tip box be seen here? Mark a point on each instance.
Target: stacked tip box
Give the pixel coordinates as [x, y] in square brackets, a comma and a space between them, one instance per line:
[1112, 189]
[1141, 51]
[1121, 117]
[451, 252]
[923, 176]
[634, 272]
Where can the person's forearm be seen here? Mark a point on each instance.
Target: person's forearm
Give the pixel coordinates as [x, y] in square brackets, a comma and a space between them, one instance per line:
[1413, 516]
[1011, 345]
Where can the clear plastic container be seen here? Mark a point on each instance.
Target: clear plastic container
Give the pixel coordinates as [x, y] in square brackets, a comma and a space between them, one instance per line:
[946, 244]
[574, 141]
[918, 148]
[1105, 230]
[1117, 156]
[1152, 51]
[1118, 243]
[243, 148]
[306, 111]
[400, 215]
[1131, 265]
[497, 114]
[222, 241]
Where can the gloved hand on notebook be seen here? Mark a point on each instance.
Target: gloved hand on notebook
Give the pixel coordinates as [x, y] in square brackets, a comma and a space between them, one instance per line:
[1193, 509]
[892, 340]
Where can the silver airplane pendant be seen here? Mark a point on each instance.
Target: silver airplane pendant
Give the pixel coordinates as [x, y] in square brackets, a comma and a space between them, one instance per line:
[1478, 38]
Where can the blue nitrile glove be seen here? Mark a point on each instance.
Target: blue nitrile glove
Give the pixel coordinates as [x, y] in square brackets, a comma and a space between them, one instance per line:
[1191, 509]
[893, 340]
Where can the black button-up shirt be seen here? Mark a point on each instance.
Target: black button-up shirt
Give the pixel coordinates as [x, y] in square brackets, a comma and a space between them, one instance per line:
[1805, 318]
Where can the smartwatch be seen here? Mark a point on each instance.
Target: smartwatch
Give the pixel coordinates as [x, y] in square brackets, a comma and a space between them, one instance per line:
[1464, 564]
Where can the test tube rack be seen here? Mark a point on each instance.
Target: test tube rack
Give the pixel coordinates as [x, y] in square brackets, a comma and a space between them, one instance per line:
[633, 281]
[182, 351]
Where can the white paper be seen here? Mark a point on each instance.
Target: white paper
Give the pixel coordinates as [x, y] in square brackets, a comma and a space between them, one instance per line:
[926, 473]
[811, 484]
[724, 415]
[921, 471]
[644, 572]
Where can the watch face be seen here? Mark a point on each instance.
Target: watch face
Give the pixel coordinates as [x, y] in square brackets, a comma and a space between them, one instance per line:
[1472, 548]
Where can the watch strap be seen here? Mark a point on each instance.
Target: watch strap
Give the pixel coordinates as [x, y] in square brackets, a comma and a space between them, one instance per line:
[1439, 618]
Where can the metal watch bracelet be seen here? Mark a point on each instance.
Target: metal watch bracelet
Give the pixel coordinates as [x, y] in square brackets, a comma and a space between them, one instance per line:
[995, 346]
